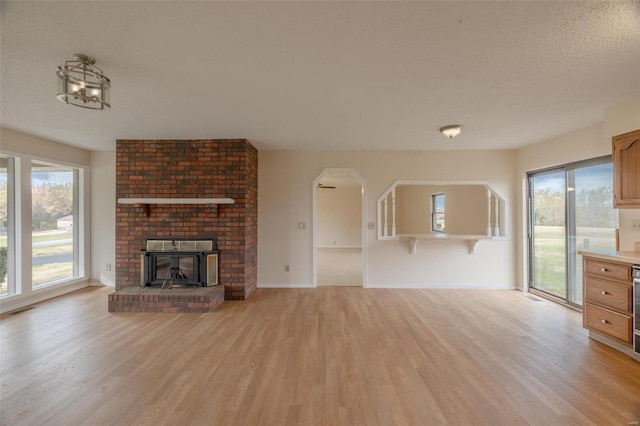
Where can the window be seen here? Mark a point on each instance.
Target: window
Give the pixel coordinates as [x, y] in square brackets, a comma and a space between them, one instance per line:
[54, 213]
[437, 212]
[570, 209]
[43, 244]
[6, 225]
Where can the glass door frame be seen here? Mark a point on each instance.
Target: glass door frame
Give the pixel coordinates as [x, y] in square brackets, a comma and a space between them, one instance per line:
[570, 225]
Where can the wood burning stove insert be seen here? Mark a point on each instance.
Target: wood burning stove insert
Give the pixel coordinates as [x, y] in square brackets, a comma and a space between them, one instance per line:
[168, 263]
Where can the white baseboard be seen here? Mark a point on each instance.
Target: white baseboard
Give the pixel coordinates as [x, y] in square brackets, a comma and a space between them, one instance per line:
[99, 284]
[288, 285]
[334, 246]
[403, 286]
[443, 286]
[11, 303]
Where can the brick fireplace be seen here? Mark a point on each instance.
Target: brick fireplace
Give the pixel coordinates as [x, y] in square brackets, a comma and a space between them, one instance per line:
[223, 168]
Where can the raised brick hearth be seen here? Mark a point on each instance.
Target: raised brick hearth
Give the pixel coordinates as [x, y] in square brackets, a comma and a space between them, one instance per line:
[186, 169]
[147, 299]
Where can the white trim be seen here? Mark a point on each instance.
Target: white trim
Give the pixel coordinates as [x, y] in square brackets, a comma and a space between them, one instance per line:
[380, 233]
[46, 160]
[314, 185]
[442, 236]
[96, 283]
[334, 246]
[289, 285]
[17, 301]
[14, 221]
[416, 286]
[445, 286]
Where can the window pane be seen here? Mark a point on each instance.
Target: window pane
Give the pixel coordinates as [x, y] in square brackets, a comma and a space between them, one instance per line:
[439, 202]
[53, 218]
[5, 205]
[438, 222]
[548, 238]
[437, 212]
[596, 220]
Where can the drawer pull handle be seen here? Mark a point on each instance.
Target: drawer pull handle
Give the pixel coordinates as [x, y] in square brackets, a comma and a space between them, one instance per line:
[603, 269]
[604, 293]
[604, 321]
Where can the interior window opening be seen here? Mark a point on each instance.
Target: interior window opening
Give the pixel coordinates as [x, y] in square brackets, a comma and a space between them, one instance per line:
[437, 213]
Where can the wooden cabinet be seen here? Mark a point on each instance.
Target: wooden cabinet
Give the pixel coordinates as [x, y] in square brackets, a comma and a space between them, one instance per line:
[608, 322]
[626, 170]
[608, 299]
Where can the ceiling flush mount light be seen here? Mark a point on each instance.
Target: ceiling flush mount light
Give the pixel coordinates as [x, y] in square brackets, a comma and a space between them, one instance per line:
[82, 84]
[451, 131]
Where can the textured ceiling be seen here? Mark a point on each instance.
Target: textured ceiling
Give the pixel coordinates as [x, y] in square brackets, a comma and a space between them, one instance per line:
[322, 75]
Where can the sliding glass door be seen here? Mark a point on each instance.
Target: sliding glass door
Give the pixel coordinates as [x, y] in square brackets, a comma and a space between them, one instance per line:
[570, 209]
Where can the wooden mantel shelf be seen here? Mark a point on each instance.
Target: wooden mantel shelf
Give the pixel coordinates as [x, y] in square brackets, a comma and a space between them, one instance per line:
[176, 200]
[145, 202]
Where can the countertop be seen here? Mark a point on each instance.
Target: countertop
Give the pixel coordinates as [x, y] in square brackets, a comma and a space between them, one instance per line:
[632, 257]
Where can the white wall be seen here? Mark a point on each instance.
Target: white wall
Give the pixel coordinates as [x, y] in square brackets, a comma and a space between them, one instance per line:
[103, 216]
[339, 217]
[12, 141]
[466, 209]
[582, 144]
[285, 198]
[413, 209]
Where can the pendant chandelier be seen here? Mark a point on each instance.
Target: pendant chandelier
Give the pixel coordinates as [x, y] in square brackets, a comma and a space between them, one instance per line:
[82, 84]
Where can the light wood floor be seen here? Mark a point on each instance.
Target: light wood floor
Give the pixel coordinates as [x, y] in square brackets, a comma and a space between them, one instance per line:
[326, 356]
[339, 266]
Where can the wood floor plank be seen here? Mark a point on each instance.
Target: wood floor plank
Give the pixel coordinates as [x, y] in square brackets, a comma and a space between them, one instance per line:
[326, 356]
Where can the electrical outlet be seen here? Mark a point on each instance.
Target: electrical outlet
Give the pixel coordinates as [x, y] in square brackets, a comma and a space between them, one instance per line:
[371, 226]
[108, 266]
[302, 225]
[635, 225]
[286, 268]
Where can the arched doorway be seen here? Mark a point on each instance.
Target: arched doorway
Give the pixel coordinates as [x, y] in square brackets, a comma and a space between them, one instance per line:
[339, 228]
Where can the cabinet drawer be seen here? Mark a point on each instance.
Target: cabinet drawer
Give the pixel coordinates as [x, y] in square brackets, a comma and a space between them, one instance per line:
[608, 270]
[608, 322]
[609, 294]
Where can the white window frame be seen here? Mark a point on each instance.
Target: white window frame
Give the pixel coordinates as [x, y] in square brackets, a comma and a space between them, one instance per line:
[434, 228]
[10, 225]
[75, 212]
[20, 258]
